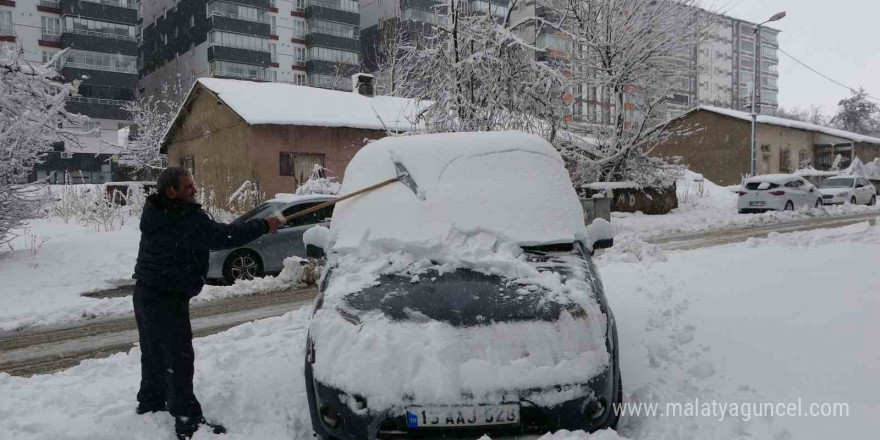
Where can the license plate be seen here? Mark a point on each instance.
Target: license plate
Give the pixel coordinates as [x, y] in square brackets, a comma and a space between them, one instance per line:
[461, 416]
[756, 203]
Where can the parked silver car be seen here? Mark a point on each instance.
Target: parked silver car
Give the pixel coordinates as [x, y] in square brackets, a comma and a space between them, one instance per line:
[267, 253]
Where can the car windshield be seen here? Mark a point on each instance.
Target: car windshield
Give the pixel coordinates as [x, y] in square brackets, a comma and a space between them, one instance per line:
[263, 210]
[761, 185]
[464, 297]
[837, 183]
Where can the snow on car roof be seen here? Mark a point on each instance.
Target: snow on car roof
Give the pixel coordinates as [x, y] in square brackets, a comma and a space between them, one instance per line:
[511, 185]
[295, 198]
[774, 178]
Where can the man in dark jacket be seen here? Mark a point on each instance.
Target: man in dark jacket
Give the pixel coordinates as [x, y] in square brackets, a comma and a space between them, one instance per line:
[176, 236]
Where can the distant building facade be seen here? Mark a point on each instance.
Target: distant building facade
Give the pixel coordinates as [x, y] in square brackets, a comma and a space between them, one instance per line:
[305, 42]
[716, 142]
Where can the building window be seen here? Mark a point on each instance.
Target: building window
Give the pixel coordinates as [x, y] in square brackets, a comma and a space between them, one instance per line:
[273, 52]
[300, 28]
[299, 165]
[238, 12]
[236, 70]
[100, 61]
[6, 23]
[99, 28]
[300, 78]
[333, 28]
[299, 55]
[240, 41]
[190, 164]
[333, 55]
[785, 161]
[50, 28]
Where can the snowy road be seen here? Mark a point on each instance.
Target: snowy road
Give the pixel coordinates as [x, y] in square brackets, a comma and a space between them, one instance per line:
[55, 348]
[735, 235]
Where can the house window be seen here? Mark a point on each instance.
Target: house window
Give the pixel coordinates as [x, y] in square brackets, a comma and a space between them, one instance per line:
[299, 165]
[784, 161]
[190, 164]
[6, 22]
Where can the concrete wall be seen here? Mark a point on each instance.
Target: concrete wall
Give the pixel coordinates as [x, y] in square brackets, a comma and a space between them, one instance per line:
[267, 142]
[772, 140]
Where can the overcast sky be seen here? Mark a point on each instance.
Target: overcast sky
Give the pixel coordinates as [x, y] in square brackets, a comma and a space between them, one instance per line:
[840, 38]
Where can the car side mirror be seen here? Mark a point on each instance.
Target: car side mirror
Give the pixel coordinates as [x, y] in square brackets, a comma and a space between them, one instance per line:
[317, 240]
[598, 235]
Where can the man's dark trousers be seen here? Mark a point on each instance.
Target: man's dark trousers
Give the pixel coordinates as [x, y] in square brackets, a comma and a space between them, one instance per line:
[166, 351]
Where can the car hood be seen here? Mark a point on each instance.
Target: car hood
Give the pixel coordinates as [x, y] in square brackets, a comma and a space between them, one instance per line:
[834, 191]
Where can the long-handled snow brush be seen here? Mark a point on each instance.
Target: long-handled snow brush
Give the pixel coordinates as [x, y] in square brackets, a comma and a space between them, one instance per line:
[403, 177]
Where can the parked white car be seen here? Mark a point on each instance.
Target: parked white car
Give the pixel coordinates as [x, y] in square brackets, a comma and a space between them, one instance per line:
[854, 190]
[777, 192]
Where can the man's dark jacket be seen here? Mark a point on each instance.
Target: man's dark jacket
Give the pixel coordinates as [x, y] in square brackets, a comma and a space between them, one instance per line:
[176, 237]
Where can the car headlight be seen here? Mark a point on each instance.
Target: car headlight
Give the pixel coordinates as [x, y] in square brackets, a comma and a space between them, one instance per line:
[843, 194]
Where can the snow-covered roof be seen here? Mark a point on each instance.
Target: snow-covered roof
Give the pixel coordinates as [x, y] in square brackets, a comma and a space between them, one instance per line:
[288, 104]
[509, 184]
[782, 122]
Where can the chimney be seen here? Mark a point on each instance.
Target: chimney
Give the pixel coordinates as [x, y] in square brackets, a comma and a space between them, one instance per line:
[362, 84]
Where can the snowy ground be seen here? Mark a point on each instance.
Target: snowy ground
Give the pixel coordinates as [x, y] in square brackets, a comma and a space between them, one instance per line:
[45, 286]
[771, 320]
[713, 207]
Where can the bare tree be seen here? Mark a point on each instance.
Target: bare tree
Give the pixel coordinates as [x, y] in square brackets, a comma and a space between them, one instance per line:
[32, 114]
[813, 115]
[629, 57]
[858, 114]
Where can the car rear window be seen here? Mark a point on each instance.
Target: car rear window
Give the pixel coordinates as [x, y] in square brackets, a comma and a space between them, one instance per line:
[761, 186]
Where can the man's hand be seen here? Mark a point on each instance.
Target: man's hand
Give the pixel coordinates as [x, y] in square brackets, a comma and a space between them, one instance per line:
[274, 223]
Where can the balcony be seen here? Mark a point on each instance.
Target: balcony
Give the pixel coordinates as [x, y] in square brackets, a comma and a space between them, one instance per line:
[100, 101]
[104, 68]
[127, 4]
[339, 5]
[101, 34]
[54, 4]
[261, 19]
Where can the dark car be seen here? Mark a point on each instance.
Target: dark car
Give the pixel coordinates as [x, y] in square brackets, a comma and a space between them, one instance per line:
[463, 303]
[467, 299]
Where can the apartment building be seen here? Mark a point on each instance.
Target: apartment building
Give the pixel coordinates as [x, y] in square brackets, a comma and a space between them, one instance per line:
[726, 61]
[304, 42]
[101, 39]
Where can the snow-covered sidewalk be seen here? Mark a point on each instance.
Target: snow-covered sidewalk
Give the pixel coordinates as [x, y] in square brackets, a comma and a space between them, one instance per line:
[773, 320]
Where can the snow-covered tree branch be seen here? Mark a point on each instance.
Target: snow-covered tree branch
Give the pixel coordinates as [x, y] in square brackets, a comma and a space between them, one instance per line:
[150, 117]
[32, 118]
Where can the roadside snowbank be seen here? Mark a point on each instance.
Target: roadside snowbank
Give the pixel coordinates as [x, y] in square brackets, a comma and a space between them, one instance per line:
[767, 321]
[715, 209]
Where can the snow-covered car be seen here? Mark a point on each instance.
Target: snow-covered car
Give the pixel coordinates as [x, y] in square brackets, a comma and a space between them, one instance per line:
[854, 190]
[469, 307]
[777, 192]
[266, 254]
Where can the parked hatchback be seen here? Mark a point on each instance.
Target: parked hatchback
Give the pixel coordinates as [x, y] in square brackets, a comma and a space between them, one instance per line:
[469, 307]
[777, 192]
[266, 254]
[847, 189]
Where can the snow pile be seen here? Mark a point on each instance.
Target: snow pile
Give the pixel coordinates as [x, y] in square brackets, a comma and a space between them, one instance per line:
[291, 277]
[510, 184]
[318, 183]
[630, 249]
[859, 232]
[436, 362]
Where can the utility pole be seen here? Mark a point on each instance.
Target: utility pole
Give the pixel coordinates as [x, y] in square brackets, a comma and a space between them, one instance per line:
[753, 168]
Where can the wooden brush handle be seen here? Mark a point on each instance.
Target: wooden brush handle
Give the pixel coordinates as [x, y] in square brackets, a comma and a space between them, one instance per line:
[339, 199]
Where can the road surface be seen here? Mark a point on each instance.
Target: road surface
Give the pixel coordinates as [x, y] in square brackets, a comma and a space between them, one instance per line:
[49, 349]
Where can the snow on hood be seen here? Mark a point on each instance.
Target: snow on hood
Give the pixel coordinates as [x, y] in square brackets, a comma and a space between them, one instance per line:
[429, 361]
[512, 185]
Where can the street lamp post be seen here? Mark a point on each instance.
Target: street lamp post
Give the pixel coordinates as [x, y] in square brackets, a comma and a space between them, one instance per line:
[753, 168]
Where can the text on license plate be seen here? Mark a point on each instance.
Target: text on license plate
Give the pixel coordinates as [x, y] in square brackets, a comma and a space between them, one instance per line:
[461, 416]
[756, 203]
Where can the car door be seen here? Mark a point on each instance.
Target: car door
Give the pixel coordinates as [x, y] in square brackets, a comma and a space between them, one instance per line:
[865, 190]
[794, 188]
[811, 193]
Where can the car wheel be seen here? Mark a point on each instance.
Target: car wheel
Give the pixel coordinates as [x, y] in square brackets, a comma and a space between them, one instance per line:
[789, 206]
[742, 211]
[873, 201]
[242, 265]
[853, 201]
[818, 203]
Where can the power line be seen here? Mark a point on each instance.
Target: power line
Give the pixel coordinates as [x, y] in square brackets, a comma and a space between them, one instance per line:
[851, 89]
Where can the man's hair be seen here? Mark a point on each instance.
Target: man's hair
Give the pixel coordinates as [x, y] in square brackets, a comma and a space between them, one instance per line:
[170, 178]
